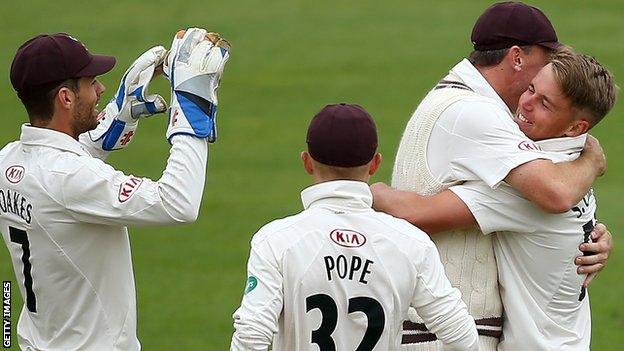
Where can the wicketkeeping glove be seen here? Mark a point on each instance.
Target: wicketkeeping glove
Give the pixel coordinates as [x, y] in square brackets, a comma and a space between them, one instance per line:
[118, 121]
[194, 67]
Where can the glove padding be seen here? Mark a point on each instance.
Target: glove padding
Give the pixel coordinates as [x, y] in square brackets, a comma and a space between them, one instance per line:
[194, 67]
[118, 121]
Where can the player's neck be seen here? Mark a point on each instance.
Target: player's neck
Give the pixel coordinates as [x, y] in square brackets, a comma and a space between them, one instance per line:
[502, 82]
[57, 123]
[330, 178]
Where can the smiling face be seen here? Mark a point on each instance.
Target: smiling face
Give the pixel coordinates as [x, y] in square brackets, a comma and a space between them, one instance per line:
[532, 61]
[87, 99]
[544, 111]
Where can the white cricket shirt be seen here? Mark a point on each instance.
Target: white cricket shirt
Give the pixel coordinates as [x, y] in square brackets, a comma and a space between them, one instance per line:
[340, 274]
[476, 138]
[63, 215]
[461, 131]
[535, 254]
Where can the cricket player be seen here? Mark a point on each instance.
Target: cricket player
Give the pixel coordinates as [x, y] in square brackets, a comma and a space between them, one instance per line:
[463, 131]
[546, 306]
[64, 212]
[338, 275]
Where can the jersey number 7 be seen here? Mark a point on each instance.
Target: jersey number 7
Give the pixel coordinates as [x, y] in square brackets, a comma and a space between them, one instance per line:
[19, 236]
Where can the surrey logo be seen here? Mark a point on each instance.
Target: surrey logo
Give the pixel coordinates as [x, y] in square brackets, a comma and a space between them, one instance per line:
[77, 41]
[127, 189]
[252, 282]
[347, 238]
[14, 174]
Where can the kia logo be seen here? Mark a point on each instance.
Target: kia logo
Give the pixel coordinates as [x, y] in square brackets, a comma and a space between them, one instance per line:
[127, 189]
[14, 174]
[528, 145]
[347, 238]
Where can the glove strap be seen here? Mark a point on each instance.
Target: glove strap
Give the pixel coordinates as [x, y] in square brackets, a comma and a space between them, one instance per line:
[118, 135]
[198, 117]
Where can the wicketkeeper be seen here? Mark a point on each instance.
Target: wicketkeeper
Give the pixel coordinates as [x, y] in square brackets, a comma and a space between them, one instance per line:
[67, 236]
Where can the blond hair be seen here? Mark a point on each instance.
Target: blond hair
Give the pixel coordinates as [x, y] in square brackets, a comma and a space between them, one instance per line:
[589, 85]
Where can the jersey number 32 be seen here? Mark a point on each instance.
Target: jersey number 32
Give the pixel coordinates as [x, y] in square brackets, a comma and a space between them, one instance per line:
[370, 307]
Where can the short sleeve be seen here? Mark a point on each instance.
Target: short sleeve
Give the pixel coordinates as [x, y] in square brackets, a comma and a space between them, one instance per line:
[480, 142]
[502, 209]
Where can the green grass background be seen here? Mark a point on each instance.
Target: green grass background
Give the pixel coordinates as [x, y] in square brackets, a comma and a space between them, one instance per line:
[289, 59]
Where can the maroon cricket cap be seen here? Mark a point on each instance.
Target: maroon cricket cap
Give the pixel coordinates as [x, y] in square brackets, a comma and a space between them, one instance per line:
[505, 24]
[342, 135]
[50, 58]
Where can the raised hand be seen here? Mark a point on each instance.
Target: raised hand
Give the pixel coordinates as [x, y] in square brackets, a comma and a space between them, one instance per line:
[118, 121]
[194, 67]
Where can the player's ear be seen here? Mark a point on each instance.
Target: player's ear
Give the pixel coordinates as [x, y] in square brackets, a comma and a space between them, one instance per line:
[579, 127]
[307, 162]
[374, 164]
[64, 98]
[515, 57]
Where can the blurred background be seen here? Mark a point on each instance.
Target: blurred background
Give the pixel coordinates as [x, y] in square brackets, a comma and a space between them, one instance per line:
[289, 59]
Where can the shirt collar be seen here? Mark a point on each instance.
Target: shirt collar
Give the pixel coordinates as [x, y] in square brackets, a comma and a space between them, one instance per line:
[338, 193]
[50, 138]
[473, 78]
[563, 144]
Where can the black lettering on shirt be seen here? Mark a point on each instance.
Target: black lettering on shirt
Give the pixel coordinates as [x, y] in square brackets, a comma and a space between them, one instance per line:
[347, 268]
[3, 205]
[15, 203]
[8, 201]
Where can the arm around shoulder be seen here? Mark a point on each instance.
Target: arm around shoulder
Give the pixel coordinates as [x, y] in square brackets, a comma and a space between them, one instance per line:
[432, 214]
[555, 188]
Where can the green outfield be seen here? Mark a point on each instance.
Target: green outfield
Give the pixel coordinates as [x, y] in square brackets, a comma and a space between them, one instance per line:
[289, 59]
